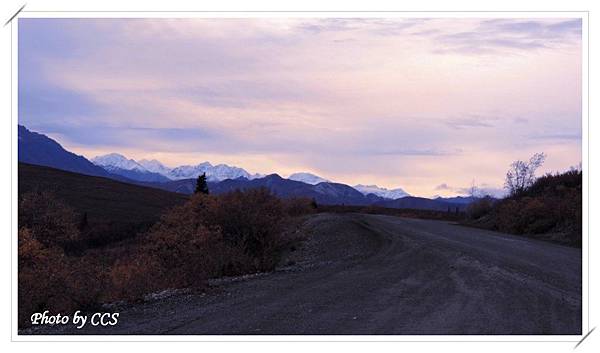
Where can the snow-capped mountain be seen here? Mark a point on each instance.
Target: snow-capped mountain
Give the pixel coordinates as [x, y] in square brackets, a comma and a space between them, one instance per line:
[117, 161]
[381, 192]
[213, 173]
[307, 178]
[155, 166]
[188, 171]
[153, 170]
[120, 165]
[223, 171]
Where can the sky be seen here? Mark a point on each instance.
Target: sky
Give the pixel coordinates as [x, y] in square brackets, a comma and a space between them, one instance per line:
[429, 105]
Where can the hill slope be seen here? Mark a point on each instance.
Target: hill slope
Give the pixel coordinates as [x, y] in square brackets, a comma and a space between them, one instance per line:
[104, 200]
[39, 149]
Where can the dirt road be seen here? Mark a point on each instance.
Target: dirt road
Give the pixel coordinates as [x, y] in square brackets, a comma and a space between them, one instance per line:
[372, 274]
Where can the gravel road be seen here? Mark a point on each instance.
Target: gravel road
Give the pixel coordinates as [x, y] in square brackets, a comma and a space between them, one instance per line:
[374, 274]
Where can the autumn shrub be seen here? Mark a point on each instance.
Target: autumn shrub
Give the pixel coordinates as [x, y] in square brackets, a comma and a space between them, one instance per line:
[206, 237]
[48, 279]
[133, 277]
[41, 277]
[252, 220]
[51, 220]
[480, 208]
[550, 209]
[178, 252]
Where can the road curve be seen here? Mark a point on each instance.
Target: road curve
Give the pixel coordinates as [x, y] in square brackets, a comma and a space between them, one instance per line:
[374, 274]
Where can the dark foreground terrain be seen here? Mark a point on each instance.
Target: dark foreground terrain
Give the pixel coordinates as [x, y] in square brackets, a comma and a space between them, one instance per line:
[374, 274]
[102, 199]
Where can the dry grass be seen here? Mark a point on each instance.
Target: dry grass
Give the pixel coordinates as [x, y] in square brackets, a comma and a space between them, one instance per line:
[207, 236]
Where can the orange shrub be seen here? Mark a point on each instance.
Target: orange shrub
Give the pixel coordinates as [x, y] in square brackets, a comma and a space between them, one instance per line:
[252, 220]
[41, 277]
[134, 277]
[550, 209]
[52, 221]
[49, 280]
[208, 236]
[480, 208]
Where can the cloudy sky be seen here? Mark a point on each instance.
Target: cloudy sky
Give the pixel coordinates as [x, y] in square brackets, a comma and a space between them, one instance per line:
[429, 105]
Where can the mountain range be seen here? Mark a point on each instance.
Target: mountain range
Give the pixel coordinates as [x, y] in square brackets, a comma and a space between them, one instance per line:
[115, 163]
[38, 149]
[155, 171]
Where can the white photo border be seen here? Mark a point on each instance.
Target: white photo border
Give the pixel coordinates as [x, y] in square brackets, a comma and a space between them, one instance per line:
[585, 146]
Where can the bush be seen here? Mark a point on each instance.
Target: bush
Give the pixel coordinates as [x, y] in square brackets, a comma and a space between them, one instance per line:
[550, 208]
[52, 221]
[480, 208]
[133, 277]
[49, 280]
[41, 277]
[208, 236]
[252, 220]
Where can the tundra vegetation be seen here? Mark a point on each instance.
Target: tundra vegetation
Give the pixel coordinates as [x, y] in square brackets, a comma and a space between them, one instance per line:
[547, 208]
[205, 237]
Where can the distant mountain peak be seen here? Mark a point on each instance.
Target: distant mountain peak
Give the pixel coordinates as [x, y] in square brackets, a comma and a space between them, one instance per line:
[381, 192]
[273, 176]
[217, 172]
[117, 161]
[155, 166]
[307, 178]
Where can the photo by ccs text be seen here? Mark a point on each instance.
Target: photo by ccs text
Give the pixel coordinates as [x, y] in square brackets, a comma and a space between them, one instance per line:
[78, 319]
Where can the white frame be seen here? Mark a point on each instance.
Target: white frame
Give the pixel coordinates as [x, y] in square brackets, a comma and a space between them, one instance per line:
[584, 15]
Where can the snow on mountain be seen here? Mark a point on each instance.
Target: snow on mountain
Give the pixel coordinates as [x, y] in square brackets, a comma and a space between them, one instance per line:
[307, 178]
[118, 164]
[189, 171]
[381, 192]
[154, 166]
[218, 172]
[223, 171]
[113, 161]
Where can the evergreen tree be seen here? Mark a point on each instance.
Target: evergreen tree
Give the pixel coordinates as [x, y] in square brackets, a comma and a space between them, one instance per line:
[201, 185]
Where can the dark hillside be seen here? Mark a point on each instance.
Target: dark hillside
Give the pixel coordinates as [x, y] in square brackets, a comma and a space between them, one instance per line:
[112, 208]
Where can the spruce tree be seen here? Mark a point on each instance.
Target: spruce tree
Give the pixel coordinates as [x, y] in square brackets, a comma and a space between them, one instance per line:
[201, 185]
